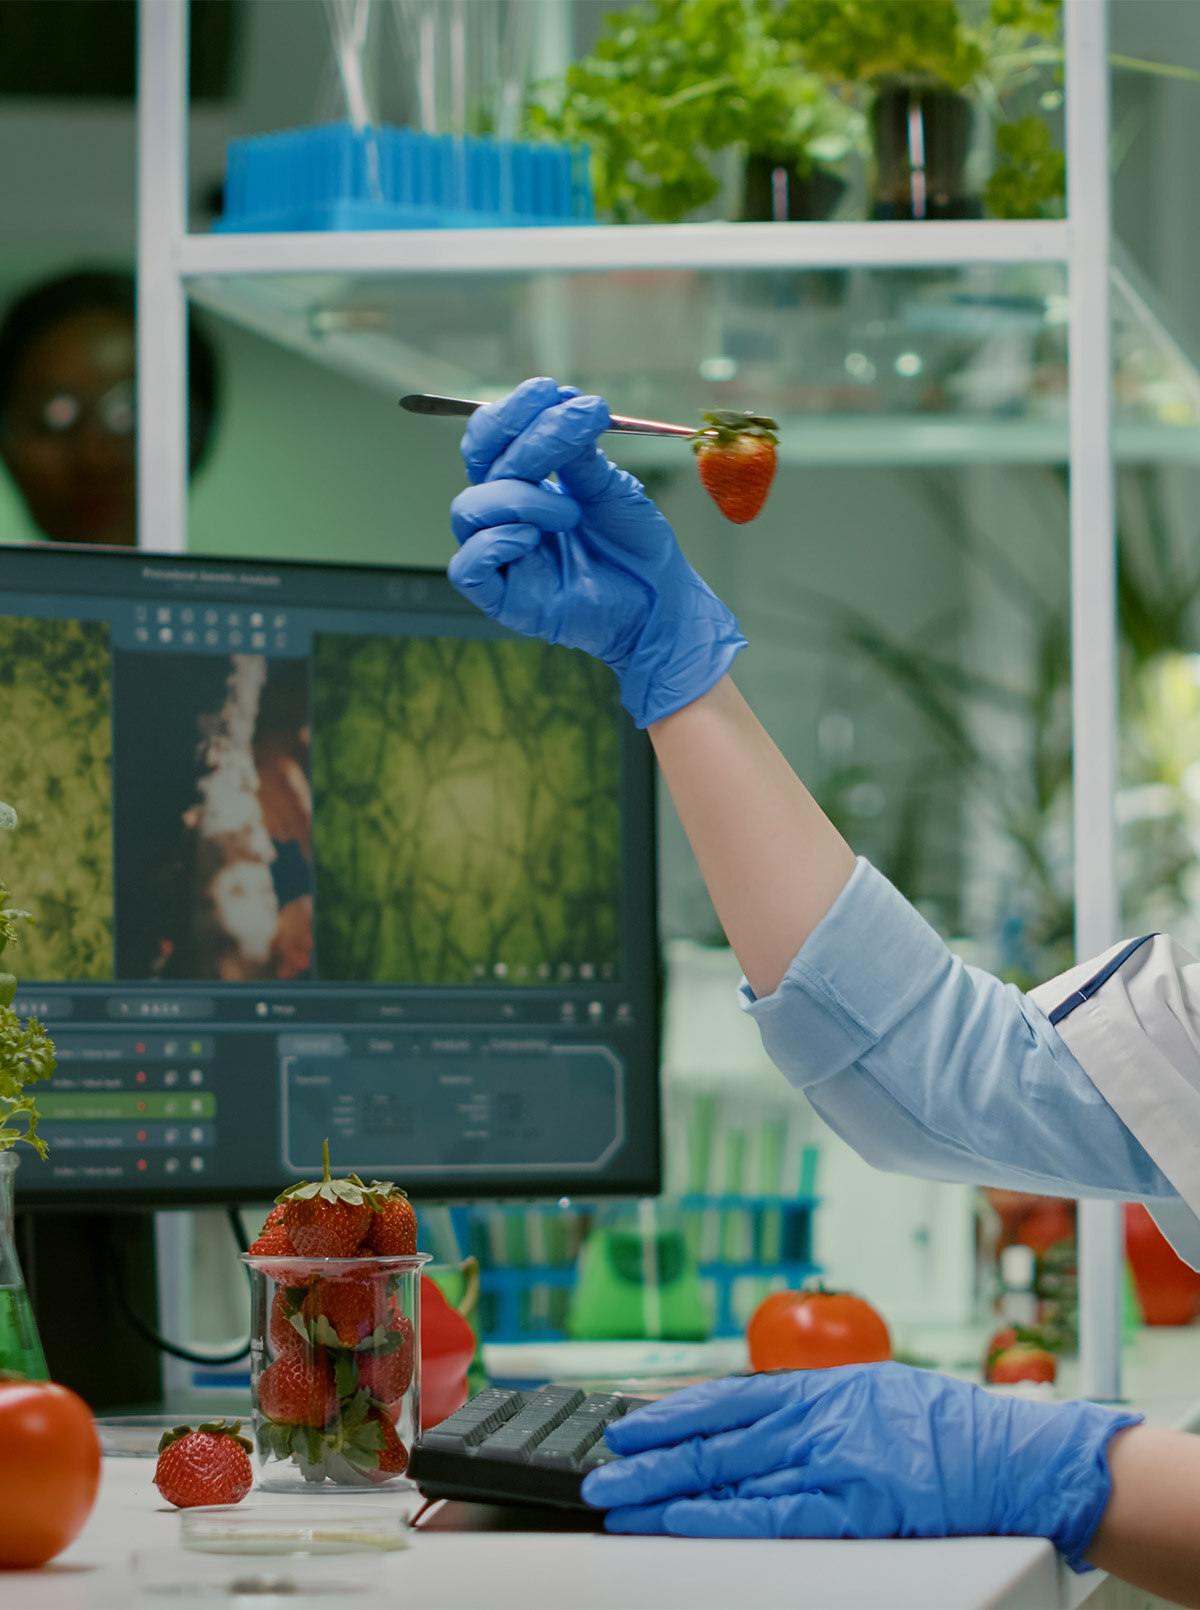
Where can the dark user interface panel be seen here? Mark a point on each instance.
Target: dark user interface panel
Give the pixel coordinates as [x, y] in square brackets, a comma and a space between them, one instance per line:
[318, 851]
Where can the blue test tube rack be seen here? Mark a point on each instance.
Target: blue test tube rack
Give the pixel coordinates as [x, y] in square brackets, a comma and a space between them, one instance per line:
[334, 177]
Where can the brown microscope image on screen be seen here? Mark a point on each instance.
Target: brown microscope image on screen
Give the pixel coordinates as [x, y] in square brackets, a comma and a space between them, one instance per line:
[222, 887]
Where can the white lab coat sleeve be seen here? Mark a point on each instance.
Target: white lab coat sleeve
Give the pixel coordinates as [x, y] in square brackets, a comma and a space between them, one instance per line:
[928, 1066]
[1131, 1018]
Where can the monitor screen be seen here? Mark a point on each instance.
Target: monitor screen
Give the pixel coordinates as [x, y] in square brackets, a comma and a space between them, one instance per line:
[319, 852]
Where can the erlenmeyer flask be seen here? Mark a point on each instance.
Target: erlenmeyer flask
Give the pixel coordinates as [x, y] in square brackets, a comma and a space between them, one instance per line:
[20, 1346]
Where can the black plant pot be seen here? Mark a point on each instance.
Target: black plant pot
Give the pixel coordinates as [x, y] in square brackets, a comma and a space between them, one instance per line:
[775, 190]
[921, 139]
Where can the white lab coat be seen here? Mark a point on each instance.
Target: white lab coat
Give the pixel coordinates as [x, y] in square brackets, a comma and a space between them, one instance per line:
[1131, 1018]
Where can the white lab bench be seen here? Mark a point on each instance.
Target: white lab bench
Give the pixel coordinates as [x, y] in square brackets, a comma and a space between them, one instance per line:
[469, 1569]
[539, 1571]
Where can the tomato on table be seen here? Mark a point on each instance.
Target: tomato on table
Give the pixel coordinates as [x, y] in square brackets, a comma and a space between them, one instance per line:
[815, 1329]
[49, 1470]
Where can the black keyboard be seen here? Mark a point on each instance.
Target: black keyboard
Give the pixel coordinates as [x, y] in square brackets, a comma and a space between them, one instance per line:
[507, 1447]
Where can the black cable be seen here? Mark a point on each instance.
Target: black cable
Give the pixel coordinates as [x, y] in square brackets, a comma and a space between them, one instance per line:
[116, 1281]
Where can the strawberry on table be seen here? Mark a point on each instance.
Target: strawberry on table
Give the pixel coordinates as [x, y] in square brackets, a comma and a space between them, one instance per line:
[735, 454]
[210, 1465]
[327, 1218]
[298, 1390]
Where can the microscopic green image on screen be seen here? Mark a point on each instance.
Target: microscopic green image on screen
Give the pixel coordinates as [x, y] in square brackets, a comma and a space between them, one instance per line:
[56, 772]
[466, 819]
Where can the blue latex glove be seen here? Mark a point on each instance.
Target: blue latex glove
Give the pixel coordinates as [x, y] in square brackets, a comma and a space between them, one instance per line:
[589, 562]
[869, 1450]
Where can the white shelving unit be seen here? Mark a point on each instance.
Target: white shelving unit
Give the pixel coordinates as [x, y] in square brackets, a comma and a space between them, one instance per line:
[172, 264]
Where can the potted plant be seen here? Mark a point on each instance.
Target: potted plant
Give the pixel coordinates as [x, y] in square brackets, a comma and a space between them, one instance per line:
[920, 67]
[673, 84]
[26, 1055]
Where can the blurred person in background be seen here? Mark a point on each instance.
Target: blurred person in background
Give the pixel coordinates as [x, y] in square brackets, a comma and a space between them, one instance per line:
[68, 405]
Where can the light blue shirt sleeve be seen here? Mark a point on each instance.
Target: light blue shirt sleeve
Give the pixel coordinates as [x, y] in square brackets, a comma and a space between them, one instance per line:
[927, 1066]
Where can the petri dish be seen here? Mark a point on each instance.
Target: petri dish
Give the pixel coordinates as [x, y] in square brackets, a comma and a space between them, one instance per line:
[310, 1531]
[311, 1581]
[136, 1436]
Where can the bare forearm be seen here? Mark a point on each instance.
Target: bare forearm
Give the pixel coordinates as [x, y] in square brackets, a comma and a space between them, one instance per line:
[773, 861]
[1149, 1533]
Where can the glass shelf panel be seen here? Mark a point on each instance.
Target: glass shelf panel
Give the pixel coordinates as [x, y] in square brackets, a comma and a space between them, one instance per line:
[863, 365]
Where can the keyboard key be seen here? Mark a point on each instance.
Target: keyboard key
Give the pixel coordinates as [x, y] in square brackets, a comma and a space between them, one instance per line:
[602, 1454]
[467, 1427]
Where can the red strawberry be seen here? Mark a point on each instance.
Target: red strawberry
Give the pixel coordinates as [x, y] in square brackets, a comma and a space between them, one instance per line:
[274, 1242]
[735, 455]
[275, 1216]
[297, 1390]
[207, 1466]
[285, 1338]
[388, 1376]
[327, 1218]
[393, 1231]
[392, 1458]
[350, 1306]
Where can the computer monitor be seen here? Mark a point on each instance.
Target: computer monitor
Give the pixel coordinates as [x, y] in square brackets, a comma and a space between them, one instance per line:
[316, 852]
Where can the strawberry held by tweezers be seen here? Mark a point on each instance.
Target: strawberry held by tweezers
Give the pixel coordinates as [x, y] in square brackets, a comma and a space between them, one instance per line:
[735, 454]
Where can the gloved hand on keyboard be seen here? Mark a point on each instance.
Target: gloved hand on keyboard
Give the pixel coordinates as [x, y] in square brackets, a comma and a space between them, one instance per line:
[868, 1450]
[589, 562]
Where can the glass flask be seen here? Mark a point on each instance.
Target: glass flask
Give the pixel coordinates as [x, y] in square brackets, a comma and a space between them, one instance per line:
[20, 1346]
[335, 1370]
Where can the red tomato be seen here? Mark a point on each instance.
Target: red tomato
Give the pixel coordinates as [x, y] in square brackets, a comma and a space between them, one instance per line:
[49, 1470]
[814, 1330]
[447, 1348]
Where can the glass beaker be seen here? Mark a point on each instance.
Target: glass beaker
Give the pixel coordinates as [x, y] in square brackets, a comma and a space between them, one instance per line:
[335, 1370]
[20, 1345]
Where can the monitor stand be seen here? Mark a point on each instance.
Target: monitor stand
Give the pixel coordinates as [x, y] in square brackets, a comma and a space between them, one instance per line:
[71, 1262]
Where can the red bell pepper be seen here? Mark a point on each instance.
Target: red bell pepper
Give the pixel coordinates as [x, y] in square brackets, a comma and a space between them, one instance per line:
[447, 1348]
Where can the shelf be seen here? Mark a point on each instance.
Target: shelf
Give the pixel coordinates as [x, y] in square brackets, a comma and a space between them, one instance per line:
[598, 248]
[962, 364]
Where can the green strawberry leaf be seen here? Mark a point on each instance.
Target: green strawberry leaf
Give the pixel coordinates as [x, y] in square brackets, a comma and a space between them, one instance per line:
[387, 1191]
[306, 1444]
[300, 1325]
[366, 1439]
[339, 1469]
[355, 1411]
[274, 1441]
[323, 1333]
[345, 1375]
[382, 1341]
[227, 1428]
